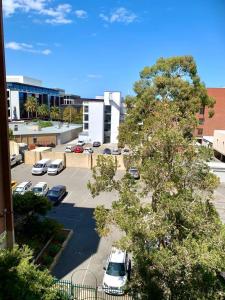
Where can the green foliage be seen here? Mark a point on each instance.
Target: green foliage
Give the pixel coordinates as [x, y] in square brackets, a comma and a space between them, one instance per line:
[21, 279]
[53, 249]
[47, 260]
[44, 124]
[30, 203]
[72, 115]
[55, 113]
[43, 110]
[11, 136]
[31, 105]
[175, 235]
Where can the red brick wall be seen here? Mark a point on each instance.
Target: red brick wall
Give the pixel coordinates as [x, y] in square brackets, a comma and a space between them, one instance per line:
[218, 120]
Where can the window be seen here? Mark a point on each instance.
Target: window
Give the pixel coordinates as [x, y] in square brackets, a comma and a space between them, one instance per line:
[202, 110]
[86, 126]
[85, 117]
[86, 108]
[200, 131]
[34, 140]
[201, 121]
[108, 109]
[7, 94]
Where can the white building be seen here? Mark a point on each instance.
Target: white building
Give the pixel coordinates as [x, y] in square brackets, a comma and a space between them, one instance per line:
[101, 118]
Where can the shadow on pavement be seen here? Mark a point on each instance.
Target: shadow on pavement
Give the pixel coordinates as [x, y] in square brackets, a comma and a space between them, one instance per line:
[84, 241]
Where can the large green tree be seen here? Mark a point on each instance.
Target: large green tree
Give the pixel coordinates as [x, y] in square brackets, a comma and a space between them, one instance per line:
[69, 114]
[168, 220]
[31, 106]
[43, 110]
[55, 113]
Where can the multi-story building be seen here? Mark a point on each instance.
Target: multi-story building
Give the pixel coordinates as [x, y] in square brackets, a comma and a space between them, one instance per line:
[20, 87]
[101, 118]
[207, 125]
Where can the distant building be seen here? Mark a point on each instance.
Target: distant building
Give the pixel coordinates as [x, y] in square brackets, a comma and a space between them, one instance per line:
[20, 87]
[207, 125]
[101, 118]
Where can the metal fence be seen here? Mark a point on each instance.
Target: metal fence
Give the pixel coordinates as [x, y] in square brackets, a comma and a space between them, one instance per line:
[72, 291]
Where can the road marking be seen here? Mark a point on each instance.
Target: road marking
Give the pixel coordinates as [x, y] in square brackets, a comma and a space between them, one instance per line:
[85, 274]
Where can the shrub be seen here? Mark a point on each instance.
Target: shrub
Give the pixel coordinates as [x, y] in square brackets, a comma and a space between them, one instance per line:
[47, 260]
[44, 124]
[53, 249]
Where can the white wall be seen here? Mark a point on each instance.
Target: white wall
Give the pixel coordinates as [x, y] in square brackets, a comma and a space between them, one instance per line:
[114, 99]
[24, 79]
[96, 121]
[14, 102]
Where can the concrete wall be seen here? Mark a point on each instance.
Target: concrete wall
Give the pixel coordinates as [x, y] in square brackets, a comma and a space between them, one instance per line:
[78, 160]
[65, 137]
[14, 104]
[53, 155]
[96, 121]
[219, 141]
[41, 139]
[13, 147]
[31, 157]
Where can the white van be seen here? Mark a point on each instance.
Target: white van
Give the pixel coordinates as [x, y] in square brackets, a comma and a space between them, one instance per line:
[55, 167]
[23, 187]
[41, 167]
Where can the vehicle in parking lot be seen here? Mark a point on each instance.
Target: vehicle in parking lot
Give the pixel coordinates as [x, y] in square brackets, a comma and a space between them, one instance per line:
[106, 151]
[125, 151]
[23, 187]
[96, 144]
[55, 167]
[70, 148]
[56, 193]
[134, 173]
[88, 150]
[40, 189]
[15, 159]
[79, 149]
[80, 143]
[41, 167]
[116, 272]
[116, 151]
[13, 185]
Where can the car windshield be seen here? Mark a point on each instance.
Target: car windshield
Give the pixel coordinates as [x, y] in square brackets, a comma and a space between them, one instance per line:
[116, 269]
[37, 189]
[133, 171]
[38, 166]
[53, 193]
[19, 189]
[53, 166]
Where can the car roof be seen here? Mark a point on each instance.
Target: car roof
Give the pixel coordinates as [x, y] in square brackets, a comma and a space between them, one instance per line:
[117, 255]
[58, 187]
[22, 184]
[40, 184]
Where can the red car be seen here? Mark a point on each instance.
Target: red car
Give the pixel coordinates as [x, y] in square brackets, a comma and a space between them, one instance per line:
[79, 149]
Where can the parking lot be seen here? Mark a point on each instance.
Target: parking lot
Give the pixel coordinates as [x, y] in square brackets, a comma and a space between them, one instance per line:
[85, 250]
[86, 253]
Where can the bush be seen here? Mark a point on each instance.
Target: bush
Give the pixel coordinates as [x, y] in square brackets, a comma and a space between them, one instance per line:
[44, 124]
[53, 249]
[47, 260]
[60, 237]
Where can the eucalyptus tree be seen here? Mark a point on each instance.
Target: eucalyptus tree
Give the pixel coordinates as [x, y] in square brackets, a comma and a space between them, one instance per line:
[168, 219]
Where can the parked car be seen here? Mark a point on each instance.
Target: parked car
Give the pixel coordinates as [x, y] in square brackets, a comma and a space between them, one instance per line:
[41, 167]
[80, 143]
[79, 149]
[116, 272]
[40, 189]
[13, 185]
[96, 144]
[70, 148]
[55, 167]
[134, 173]
[107, 151]
[116, 151]
[125, 151]
[23, 187]
[56, 193]
[88, 150]
[15, 159]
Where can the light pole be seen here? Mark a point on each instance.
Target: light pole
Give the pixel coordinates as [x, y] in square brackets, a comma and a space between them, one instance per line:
[6, 208]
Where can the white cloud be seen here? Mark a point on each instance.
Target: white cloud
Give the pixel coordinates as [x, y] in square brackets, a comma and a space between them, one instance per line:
[58, 14]
[94, 76]
[119, 15]
[26, 48]
[81, 14]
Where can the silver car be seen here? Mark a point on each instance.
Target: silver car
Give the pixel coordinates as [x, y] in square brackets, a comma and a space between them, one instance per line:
[134, 173]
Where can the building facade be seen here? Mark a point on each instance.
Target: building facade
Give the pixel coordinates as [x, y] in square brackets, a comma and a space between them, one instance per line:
[21, 87]
[206, 124]
[101, 118]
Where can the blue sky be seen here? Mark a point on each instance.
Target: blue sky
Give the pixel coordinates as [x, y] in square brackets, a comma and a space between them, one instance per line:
[90, 46]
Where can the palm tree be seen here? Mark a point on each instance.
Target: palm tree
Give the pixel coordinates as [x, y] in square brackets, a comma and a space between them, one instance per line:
[55, 113]
[31, 105]
[11, 136]
[43, 110]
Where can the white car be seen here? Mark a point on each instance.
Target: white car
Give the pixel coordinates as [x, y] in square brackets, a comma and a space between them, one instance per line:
[116, 272]
[23, 187]
[88, 150]
[80, 143]
[40, 189]
[70, 148]
[116, 151]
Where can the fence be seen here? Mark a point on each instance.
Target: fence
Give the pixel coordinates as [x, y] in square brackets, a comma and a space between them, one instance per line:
[72, 291]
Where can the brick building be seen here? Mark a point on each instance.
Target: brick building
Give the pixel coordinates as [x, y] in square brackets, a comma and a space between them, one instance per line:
[207, 125]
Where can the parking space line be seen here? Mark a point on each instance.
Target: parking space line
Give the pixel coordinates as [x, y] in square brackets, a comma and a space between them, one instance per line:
[85, 274]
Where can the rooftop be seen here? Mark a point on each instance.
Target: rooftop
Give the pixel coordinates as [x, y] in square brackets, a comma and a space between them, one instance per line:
[32, 128]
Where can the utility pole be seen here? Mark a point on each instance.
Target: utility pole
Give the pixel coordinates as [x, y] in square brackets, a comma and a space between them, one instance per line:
[6, 208]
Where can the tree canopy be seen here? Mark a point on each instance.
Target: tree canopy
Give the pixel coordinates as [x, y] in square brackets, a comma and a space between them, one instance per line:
[71, 115]
[31, 105]
[168, 219]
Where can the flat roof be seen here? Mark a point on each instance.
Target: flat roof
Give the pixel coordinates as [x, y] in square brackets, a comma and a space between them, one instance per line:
[24, 129]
